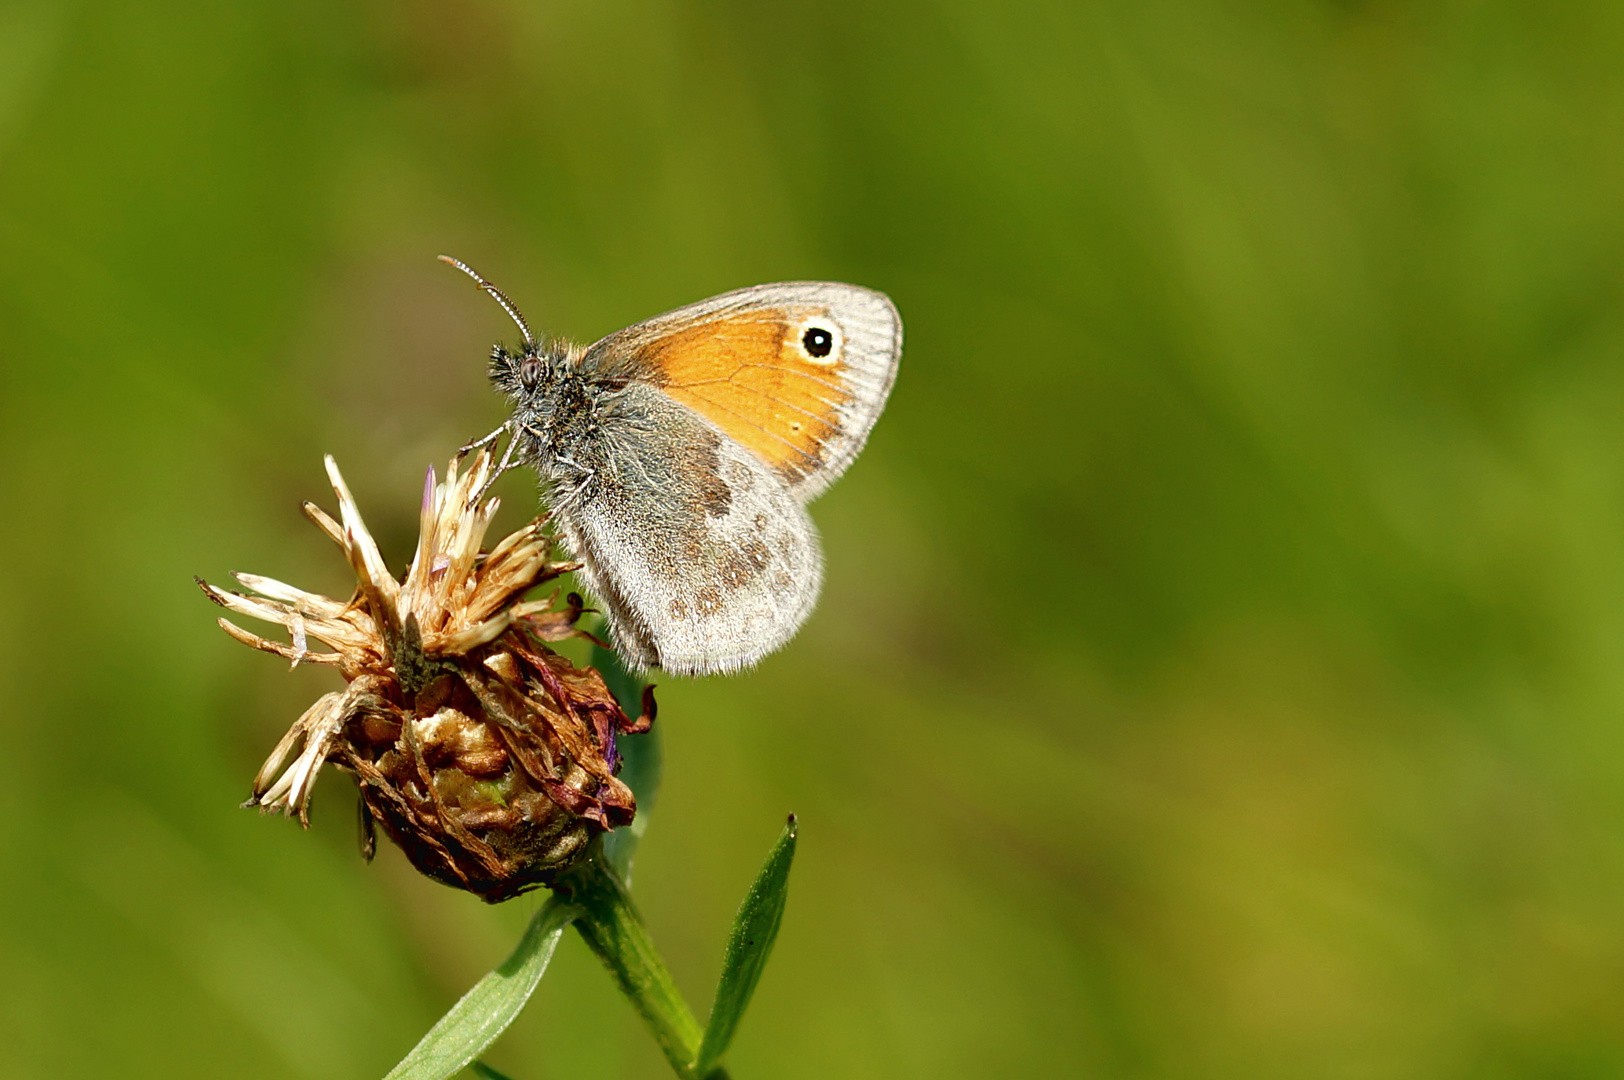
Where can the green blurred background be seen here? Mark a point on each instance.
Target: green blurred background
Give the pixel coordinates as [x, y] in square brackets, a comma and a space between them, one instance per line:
[1221, 667]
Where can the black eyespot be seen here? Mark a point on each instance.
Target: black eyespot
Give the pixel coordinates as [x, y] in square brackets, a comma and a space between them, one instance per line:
[818, 342]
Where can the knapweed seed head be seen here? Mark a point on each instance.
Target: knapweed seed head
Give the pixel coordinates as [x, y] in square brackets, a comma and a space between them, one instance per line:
[488, 757]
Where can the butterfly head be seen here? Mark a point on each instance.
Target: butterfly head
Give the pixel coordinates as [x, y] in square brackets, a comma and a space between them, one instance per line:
[530, 374]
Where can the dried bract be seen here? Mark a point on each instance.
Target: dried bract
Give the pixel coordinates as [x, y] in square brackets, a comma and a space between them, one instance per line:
[489, 758]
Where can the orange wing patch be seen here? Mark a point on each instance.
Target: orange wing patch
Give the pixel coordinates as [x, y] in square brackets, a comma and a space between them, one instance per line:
[753, 376]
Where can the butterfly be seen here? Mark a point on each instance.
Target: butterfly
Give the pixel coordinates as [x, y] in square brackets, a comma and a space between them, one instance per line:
[678, 456]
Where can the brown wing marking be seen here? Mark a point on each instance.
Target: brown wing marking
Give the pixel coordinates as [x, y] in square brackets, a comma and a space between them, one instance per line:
[747, 374]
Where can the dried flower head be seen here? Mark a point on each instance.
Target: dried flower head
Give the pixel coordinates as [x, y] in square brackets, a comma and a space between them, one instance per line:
[489, 758]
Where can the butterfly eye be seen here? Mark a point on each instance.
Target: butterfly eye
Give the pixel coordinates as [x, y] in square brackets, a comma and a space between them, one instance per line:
[530, 371]
[818, 342]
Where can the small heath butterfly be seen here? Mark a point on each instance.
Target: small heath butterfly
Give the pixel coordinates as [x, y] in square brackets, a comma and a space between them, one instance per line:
[678, 456]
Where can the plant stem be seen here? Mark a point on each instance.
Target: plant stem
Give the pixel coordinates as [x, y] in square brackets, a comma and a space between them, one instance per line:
[612, 928]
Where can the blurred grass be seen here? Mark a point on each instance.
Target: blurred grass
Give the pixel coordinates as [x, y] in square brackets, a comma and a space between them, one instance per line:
[1221, 670]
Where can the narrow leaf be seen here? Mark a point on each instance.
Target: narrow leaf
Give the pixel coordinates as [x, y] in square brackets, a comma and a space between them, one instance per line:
[485, 1072]
[641, 758]
[485, 1011]
[754, 930]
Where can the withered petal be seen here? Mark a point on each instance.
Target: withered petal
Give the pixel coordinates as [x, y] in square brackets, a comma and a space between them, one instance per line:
[487, 757]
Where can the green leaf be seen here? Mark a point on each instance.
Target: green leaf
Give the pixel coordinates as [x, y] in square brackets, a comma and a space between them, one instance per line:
[641, 759]
[485, 1072]
[485, 1011]
[754, 930]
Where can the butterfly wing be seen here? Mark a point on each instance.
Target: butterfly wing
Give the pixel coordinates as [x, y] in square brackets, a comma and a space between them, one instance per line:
[704, 559]
[795, 372]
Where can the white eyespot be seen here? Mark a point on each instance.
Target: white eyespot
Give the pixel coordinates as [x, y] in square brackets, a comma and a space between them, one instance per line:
[819, 341]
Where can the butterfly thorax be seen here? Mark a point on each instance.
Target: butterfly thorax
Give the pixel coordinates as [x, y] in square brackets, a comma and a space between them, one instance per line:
[559, 408]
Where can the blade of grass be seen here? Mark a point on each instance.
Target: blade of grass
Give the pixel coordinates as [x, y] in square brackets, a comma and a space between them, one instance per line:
[485, 1072]
[755, 928]
[485, 1011]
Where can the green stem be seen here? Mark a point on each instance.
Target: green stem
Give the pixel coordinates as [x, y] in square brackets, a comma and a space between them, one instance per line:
[612, 928]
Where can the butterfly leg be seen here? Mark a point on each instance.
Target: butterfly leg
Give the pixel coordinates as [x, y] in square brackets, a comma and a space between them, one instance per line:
[581, 474]
[468, 448]
[507, 457]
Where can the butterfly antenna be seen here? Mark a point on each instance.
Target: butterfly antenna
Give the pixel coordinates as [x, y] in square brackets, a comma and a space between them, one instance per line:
[496, 294]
